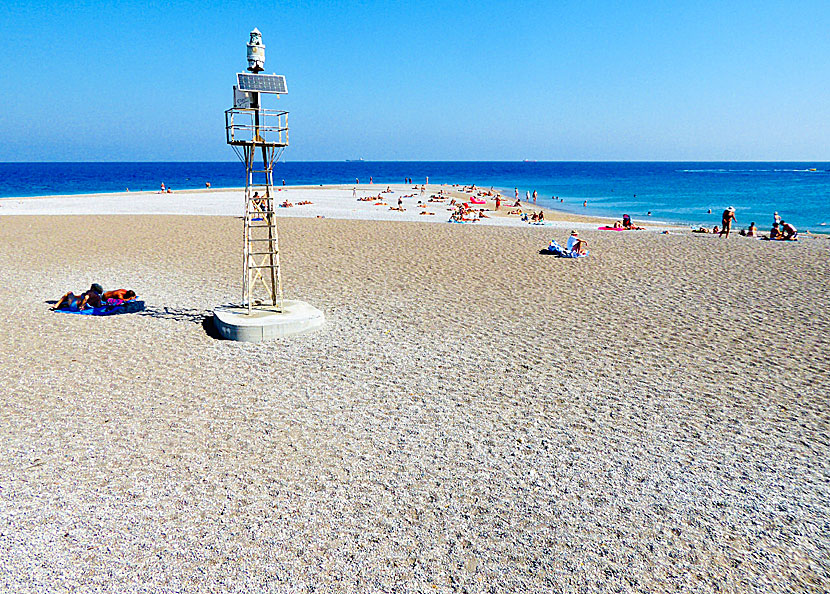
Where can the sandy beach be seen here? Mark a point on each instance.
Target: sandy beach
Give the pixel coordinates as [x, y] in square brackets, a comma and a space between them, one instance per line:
[338, 202]
[473, 417]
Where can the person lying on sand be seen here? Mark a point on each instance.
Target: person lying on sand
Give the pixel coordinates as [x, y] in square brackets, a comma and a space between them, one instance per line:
[577, 245]
[701, 230]
[122, 294]
[628, 225]
[92, 298]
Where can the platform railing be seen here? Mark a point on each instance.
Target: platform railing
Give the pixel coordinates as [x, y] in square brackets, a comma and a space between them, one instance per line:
[267, 127]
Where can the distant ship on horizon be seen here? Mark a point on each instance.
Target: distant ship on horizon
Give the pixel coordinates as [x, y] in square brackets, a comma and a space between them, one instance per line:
[528, 160]
[354, 160]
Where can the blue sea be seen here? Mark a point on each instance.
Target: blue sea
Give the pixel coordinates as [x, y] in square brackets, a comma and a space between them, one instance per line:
[681, 192]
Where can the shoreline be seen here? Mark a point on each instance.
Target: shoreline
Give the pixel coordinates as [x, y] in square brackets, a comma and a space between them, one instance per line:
[332, 195]
[330, 201]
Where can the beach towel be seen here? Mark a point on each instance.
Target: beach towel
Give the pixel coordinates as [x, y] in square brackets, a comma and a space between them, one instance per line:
[555, 249]
[110, 308]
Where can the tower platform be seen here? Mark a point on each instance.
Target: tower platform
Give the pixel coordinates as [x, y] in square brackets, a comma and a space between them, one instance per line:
[266, 322]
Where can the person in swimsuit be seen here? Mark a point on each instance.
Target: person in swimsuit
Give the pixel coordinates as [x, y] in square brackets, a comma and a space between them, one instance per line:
[726, 222]
[92, 298]
[789, 232]
[122, 294]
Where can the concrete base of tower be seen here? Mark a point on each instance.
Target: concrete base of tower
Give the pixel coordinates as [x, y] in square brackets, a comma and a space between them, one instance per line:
[265, 322]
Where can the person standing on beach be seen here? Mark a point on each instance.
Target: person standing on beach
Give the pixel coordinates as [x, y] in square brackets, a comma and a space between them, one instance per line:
[534, 196]
[498, 202]
[726, 222]
[162, 187]
[776, 218]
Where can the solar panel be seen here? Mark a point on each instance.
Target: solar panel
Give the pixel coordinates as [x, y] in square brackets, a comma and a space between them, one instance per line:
[263, 83]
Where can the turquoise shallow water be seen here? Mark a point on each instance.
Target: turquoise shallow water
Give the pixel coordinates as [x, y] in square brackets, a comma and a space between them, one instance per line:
[679, 192]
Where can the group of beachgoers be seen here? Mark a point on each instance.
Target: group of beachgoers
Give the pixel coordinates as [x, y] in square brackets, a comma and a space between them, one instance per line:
[781, 230]
[94, 297]
[624, 225]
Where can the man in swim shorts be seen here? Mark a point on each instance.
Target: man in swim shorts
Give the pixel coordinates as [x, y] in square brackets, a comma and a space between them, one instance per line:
[789, 232]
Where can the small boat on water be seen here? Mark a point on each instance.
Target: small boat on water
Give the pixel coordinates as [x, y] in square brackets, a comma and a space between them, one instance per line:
[813, 169]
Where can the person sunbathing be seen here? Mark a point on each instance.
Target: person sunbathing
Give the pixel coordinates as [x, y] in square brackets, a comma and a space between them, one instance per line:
[628, 225]
[775, 233]
[752, 231]
[577, 245]
[789, 232]
[122, 294]
[92, 298]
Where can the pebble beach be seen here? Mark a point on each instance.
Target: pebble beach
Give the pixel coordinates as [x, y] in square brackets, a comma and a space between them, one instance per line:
[473, 416]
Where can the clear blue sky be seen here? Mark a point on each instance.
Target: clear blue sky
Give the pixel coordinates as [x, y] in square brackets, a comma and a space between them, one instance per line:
[91, 81]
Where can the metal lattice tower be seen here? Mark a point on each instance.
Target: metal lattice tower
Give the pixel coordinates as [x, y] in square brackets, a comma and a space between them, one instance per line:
[258, 135]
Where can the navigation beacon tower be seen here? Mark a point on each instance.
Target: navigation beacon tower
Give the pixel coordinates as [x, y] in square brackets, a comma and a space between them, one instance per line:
[254, 131]
[260, 135]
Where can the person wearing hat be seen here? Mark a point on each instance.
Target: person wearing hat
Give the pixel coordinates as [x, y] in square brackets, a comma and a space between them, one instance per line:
[92, 298]
[576, 245]
[726, 223]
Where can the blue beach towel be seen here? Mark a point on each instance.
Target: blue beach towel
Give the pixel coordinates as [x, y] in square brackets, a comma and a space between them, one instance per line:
[131, 306]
